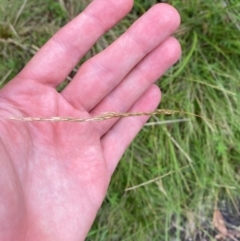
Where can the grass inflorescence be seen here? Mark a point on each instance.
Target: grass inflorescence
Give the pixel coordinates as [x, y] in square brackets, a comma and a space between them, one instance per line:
[175, 171]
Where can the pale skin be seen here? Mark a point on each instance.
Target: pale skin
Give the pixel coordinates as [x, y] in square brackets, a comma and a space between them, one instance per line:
[54, 176]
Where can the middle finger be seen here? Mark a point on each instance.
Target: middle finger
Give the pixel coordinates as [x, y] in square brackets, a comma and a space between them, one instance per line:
[101, 74]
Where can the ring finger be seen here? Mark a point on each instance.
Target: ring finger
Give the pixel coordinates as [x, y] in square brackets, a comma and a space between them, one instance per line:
[137, 82]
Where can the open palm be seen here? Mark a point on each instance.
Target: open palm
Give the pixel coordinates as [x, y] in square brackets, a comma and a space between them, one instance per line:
[54, 176]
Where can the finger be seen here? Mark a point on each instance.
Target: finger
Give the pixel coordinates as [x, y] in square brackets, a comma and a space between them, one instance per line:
[98, 76]
[118, 138]
[62, 52]
[138, 81]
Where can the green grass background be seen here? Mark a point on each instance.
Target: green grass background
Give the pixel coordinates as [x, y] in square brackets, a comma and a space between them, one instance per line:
[196, 162]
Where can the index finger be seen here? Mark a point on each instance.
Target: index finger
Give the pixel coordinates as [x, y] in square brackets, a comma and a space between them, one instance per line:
[62, 52]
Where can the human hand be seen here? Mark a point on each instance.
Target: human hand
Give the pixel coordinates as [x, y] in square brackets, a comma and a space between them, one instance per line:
[54, 176]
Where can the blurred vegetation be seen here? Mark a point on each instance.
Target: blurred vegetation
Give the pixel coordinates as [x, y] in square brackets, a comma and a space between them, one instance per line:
[197, 161]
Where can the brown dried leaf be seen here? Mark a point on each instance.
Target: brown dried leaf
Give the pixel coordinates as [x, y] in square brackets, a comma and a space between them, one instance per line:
[219, 224]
